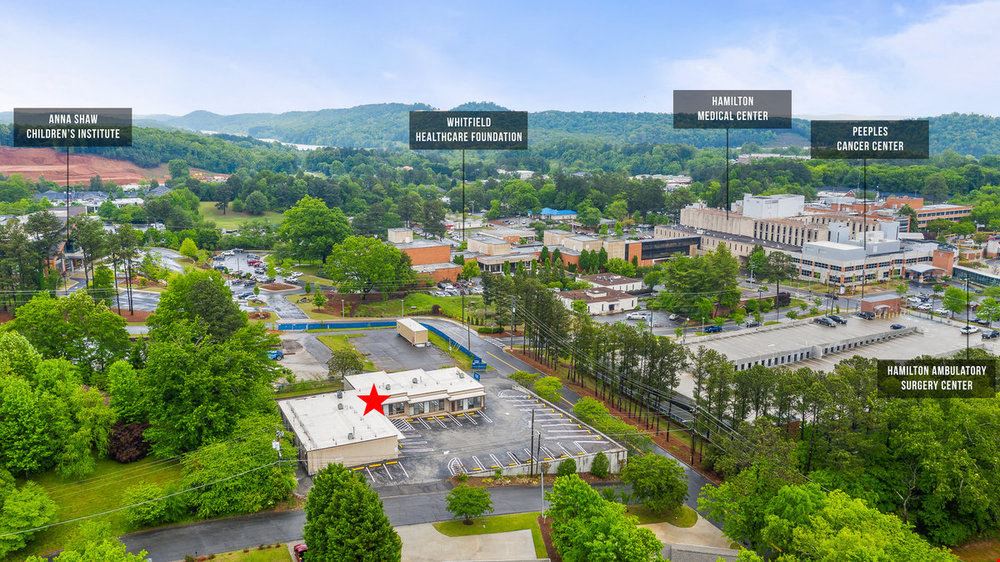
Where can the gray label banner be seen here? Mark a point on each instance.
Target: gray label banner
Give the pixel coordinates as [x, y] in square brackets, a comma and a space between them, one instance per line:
[937, 378]
[732, 109]
[908, 139]
[468, 130]
[72, 126]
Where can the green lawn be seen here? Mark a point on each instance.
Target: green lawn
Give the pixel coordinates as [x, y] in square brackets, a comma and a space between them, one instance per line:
[497, 524]
[461, 360]
[342, 341]
[683, 517]
[233, 219]
[422, 304]
[100, 491]
[307, 388]
[270, 554]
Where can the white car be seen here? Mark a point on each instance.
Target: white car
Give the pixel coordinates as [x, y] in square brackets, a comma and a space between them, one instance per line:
[673, 317]
[637, 316]
[924, 307]
[969, 329]
[941, 312]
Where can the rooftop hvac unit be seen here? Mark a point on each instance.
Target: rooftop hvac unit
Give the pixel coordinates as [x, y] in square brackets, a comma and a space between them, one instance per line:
[350, 436]
[387, 386]
[340, 394]
[461, 374]
[340, 405]
[414, 380]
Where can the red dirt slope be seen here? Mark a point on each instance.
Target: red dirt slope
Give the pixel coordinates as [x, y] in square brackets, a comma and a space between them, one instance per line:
[33, 163]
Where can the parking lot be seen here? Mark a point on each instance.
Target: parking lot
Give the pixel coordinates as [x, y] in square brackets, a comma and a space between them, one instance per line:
[499, 436]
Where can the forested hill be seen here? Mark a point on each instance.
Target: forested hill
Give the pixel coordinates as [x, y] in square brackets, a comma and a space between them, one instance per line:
[384, 125]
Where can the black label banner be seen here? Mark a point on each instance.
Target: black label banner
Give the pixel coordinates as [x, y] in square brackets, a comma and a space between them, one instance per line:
[732, 109]
[850, 140]
[937, 378]
[468, 130]
[72, 126]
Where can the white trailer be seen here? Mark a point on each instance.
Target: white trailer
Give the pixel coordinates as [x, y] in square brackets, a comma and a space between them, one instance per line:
[412, 331]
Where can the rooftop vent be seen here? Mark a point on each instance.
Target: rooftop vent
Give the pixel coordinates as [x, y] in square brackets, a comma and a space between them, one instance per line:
[340, 394]
[350, 436]
[414, 380]
[387, 386]
[461, 375]
[340, 405]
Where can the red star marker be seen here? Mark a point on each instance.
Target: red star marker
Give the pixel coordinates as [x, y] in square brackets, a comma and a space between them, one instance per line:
[373, 401]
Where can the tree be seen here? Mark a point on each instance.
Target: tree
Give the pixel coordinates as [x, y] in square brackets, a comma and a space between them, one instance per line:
[21, 509]
[902, 288]
[470, 270]
[548, 388]
[908, 211]
[617, 209]
[201, 298]
[344, 362]
[955, 300]
[619, 266]
[432, 217]
[178, 169]
[362, 264]
[467, 503]
[74, 328]
[409, 207]
[147, 506]
[989, 309]
[585, 526]
[779, 268]
[90, 236]
[310, 229]
[658, 482]
[319, 299]
[189, 249]
[588, 215]
[199, 388]
[345, 521]
[255, 203]
[936, 187]
[566, 467]
[102, 288]
[242, 474]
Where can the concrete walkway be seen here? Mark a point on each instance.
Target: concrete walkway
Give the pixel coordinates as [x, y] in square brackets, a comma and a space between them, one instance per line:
[701, 533]
[423, 543]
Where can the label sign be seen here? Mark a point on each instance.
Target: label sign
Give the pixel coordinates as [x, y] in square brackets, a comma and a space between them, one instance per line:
[468, 130]
[61, 127]
[937, 378]
[732, 109]
[907, 139]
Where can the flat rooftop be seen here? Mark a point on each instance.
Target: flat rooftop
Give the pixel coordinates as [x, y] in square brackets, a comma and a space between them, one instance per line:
[421, 243]
[594, 295]
[606, 279]
[327, 420]
[419, 385]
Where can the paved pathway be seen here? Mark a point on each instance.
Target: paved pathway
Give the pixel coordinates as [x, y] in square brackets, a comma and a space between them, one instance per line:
[423, 543]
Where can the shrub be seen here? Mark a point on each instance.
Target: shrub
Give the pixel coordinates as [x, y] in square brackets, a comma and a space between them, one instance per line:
[466, 502]
[599, 466]
[524, 378]
[548, 388]
[566, 468]
[126, 443]
[150, 510]
[489, 329]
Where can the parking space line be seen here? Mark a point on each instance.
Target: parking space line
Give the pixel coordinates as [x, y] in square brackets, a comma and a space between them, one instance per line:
[479, 463]
[454, 419]
[423, 423]
[370, 474]
[496, 461]
[565, 451]
[582, 450]
[470, 418]
[548, 452]
[401, 467]
[530, 456]
[485, 417]
[389, 474]
[514, 458]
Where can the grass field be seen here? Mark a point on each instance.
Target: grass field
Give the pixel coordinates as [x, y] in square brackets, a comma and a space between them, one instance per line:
[308, 388]
[270, 554]
[461, 360]
[497, 524]
[101, 491]
[233, 219]
[683, 517]
[343, 341]
[422, 304]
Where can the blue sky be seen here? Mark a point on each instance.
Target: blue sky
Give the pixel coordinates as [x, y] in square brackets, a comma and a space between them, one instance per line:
[838, 58]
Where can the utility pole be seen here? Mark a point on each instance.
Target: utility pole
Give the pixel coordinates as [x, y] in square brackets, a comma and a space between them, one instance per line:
[541, 480]
[531, 456]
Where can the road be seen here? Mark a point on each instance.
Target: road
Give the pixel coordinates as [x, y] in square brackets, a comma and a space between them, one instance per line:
[404, 505]
[224, 535]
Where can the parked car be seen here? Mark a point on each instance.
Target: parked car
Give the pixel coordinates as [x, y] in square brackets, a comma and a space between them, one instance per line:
[673, 317]
[637, 316]
[713, 329]
[837, 319]
[824, 321]
[897, 326]
[981, 322]
[925, 307]
[969, 329]
[991, 335]
[867, 315]
[941, 312]
[221, 268]
[752, 324]
[300, 552]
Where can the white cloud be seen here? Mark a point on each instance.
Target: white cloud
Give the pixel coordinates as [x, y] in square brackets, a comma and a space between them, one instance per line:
[946, 62]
